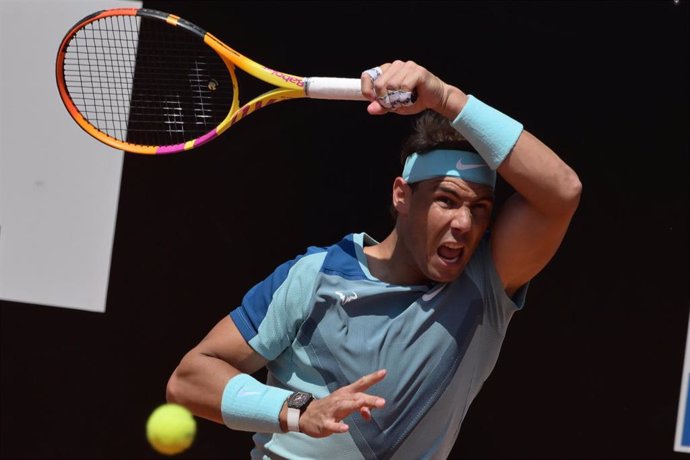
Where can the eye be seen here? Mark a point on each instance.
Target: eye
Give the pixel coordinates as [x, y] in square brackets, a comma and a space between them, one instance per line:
[481, 206]
[445, 201]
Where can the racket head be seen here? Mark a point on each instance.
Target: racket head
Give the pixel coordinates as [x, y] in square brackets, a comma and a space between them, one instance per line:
[145, 81]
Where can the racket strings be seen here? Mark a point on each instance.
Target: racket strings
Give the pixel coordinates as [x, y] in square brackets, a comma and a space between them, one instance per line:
[143, 81]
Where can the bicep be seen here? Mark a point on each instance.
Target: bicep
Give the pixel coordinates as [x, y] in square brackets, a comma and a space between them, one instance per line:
[225, 342]
[523, 241]
[199, 379]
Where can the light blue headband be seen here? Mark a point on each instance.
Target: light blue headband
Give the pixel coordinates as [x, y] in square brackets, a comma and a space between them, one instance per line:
[453, 163]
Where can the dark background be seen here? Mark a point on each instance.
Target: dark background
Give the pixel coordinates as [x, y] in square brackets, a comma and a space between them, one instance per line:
[590, 369]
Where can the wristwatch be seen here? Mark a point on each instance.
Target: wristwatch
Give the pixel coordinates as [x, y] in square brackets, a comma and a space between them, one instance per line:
[296, 404]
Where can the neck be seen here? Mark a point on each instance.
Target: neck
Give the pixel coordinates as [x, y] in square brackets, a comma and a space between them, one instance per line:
[390, 261]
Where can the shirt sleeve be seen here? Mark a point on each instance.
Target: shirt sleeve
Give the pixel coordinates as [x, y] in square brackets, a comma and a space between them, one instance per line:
[272, 311]
[482, 271]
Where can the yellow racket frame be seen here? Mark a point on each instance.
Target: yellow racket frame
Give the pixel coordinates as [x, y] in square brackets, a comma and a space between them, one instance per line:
[287, 86]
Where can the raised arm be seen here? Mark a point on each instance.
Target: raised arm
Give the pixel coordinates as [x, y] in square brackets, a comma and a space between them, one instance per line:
[531, 225]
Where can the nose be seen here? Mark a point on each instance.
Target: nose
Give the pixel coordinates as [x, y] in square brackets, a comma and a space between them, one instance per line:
[462, 219]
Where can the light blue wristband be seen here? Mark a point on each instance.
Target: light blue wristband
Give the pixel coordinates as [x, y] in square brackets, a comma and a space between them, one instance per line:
[249, 405]
[491, 132]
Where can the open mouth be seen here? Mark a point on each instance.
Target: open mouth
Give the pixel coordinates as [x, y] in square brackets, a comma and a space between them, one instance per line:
[450, 254]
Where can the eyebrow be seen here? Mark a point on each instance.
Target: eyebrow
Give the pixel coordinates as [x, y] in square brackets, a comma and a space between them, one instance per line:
[480, 196]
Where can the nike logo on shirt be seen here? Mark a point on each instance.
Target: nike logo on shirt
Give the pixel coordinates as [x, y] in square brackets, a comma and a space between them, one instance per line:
[345, 298]
[433, 292]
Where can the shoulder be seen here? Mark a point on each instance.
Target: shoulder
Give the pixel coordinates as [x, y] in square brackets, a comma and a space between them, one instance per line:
[344, 259]
[481, 270]
[340, 257]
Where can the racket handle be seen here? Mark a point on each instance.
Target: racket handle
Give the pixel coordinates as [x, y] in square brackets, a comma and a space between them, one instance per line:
[341, 89]
[349, 89]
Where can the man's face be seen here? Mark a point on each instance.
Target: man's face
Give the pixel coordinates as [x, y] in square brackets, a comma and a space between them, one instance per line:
[442, 222]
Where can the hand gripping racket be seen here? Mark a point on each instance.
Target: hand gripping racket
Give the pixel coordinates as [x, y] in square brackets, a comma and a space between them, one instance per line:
[149, 82]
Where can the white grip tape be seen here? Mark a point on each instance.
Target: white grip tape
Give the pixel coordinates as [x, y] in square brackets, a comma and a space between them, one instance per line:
[342, 89]
[349, 89]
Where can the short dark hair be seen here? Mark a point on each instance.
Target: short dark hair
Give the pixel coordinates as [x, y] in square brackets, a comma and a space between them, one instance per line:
[432, 131]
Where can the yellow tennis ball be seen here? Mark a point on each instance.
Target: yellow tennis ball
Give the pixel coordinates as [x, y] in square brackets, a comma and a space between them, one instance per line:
[170, 429]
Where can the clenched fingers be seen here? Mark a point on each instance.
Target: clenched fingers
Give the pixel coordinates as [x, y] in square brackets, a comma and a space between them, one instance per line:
[392, 87]
[402, 87]
[368, 78]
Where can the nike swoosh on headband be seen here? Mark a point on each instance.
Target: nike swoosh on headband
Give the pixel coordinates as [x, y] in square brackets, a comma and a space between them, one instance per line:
[464, 167]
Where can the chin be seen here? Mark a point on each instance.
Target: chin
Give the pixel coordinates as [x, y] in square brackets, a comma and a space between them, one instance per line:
[445, 273]
[446, 278]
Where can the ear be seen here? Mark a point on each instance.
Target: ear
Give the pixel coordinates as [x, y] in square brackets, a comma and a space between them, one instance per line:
[402, 194]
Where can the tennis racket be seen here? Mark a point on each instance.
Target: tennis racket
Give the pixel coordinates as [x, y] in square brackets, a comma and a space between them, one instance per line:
[149, 82]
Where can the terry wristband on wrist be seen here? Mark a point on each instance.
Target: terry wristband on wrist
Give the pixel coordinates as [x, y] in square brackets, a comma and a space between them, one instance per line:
[489, 131]
[249, 405]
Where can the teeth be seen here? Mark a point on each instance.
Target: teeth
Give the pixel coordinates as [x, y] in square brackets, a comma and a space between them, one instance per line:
[450, 253]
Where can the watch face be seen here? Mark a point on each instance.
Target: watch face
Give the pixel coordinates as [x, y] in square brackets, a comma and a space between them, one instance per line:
[299, 400]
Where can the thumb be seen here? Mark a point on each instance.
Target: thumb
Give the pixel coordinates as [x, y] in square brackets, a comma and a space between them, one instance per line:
[374, 108]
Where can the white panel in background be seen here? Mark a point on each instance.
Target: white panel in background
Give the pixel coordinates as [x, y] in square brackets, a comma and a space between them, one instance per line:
[59, 188]
[682, 443]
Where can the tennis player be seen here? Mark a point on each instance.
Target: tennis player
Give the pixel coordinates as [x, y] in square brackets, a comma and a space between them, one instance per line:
[376, 349]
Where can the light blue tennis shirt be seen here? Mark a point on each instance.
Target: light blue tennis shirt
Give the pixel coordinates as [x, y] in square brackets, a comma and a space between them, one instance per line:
[323, 321]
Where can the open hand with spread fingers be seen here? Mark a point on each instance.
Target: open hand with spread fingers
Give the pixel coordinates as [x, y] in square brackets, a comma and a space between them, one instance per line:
[324, 417]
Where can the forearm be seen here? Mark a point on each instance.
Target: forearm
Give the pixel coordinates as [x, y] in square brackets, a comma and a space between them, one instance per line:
[198, 384]
[452, 103]
[545, 182]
